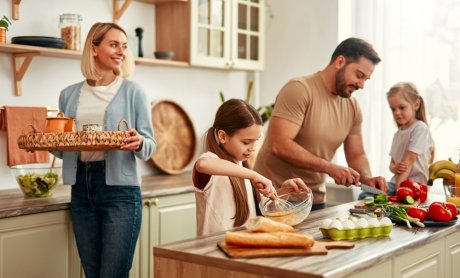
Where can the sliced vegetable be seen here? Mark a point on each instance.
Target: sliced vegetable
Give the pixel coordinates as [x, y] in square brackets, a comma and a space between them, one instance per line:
[405, 195]
[415, 187]
[393, 198]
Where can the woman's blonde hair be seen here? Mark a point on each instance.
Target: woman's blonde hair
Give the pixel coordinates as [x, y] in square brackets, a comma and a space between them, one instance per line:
[233, 115]
[95, 36]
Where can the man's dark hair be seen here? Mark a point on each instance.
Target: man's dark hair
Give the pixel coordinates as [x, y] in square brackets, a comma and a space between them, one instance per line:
[353, 48]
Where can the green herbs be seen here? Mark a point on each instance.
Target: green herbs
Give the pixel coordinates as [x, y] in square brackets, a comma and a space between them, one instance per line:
[5, 22]
[399, 214]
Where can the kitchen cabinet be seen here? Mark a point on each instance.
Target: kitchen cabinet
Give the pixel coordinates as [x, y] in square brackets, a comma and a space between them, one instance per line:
[227, 34]
[38, 245]
[452, 269]
[164, 219]
[426, 261]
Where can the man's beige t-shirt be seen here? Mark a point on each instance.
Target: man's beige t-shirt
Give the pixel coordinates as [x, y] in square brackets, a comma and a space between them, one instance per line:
[325, 121]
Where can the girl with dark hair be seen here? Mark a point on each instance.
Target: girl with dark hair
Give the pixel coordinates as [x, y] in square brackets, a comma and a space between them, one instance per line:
[226, 190]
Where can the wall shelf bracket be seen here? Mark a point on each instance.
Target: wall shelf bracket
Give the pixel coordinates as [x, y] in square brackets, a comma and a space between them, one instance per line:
[117, 11]
[15, 6]
[21, 63]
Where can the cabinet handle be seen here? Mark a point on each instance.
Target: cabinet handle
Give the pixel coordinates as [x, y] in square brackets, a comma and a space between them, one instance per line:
[151, 202]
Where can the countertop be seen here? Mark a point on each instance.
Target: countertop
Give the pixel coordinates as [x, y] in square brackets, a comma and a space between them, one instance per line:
[13, 203]
[337, 263]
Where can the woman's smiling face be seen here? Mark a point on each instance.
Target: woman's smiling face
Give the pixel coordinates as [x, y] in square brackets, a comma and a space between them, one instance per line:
[110, 53]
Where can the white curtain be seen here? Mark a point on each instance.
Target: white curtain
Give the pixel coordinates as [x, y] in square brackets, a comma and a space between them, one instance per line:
[418, 41]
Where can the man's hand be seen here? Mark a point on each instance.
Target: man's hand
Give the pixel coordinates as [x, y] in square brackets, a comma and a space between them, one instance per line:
[377, 182]
[343, 175]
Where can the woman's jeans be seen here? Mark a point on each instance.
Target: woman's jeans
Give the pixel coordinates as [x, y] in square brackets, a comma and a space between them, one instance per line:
[106, 220]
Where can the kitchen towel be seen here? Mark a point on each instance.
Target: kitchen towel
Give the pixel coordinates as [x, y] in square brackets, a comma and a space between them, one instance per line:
[17, 120]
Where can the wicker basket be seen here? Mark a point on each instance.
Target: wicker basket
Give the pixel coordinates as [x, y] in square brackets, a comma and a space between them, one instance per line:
[74, 141]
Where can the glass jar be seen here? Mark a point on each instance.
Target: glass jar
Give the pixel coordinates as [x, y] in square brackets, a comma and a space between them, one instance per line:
[70, 30]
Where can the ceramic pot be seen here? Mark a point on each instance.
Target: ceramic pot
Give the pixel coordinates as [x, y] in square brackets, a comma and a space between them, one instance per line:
[56, 124]
[2, 35]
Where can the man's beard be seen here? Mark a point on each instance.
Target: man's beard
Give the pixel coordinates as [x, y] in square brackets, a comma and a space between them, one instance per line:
[340, 83]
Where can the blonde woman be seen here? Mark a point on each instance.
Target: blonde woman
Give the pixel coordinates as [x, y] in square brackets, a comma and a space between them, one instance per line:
[106, 205]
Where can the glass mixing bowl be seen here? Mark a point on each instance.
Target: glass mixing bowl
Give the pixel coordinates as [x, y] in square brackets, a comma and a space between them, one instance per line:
[37, 180]
[297, 210]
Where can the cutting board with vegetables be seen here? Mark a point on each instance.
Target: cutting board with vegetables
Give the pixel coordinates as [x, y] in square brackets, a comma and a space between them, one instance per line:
[319, 248]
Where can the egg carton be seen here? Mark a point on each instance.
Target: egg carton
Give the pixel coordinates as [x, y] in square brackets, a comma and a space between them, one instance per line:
[357, 233]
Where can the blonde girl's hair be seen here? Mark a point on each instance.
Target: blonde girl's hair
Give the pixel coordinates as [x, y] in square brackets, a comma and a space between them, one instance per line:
[95, 36]
[233, 115]
[411, 94]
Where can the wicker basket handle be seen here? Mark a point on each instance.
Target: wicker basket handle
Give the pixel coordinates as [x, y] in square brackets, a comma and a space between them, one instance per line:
[123, 121]
[33, 129]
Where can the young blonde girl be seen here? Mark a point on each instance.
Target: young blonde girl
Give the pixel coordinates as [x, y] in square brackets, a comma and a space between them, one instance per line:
[412, 149]
[226, 190]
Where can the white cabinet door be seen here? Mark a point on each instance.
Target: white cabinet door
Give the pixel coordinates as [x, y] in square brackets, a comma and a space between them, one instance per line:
[423, 262]
[227, 34]
[453, 255]
[38, 245]
[379, 270]
[164, 219]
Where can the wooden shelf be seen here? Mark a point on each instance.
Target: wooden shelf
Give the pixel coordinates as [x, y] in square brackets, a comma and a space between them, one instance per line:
[119, 10]
[23, 55]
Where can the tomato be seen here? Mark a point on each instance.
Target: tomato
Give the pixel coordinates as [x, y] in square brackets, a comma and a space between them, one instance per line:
[419, 213]
[393, 198]
[439, 212]
[412, 185]
[423, 193]
[405, 195]
[453, 209]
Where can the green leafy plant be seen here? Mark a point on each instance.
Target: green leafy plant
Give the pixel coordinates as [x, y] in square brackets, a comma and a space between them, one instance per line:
[5, 22]
[265, 111]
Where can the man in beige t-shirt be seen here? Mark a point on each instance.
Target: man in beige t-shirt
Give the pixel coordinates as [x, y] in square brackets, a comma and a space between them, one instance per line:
[313, 116]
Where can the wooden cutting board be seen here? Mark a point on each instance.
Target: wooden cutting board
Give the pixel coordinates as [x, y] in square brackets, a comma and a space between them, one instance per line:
[319, 248]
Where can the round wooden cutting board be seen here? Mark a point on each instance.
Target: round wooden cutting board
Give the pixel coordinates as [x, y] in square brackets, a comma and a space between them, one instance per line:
[174, 135]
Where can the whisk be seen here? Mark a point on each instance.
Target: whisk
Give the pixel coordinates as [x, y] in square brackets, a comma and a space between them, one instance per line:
[279, 203]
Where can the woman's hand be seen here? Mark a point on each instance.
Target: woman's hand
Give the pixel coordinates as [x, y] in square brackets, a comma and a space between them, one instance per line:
[264, 186]
[133, 142]
[294, 185]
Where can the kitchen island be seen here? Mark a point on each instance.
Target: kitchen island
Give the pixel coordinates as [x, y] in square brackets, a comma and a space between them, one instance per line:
[417, 252]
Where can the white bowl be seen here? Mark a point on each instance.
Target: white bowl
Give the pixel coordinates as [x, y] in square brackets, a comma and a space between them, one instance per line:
[37, 180]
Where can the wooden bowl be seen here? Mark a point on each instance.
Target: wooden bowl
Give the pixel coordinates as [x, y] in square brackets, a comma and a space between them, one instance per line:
[175, 137]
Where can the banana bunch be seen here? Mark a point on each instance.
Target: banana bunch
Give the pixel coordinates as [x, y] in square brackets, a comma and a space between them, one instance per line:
[444, 169]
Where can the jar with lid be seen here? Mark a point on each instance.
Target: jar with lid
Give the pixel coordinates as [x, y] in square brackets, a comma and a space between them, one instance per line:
[70, 30]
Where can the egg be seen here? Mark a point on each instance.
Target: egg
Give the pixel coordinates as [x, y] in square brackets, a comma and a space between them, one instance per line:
[336, 224]
[385, 221]
[348, 224]
[362, 223]
[326, 223]
[374, 222]
[353, 219]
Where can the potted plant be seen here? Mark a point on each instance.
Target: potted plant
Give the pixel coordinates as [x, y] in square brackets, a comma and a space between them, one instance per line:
[4, 24]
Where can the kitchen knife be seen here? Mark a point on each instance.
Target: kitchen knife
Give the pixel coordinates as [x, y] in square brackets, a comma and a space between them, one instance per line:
[370, 189]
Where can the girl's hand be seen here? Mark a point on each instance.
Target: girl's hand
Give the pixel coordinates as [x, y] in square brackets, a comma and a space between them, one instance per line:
[134, 142]
[265, 186]
[294, 185]
[401, 168]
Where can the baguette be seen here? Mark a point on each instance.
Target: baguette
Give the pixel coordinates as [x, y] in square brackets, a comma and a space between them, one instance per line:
[269, 240]
[262, 224]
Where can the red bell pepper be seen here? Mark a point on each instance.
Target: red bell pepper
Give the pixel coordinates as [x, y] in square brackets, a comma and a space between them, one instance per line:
[405, 195]
[412, 185]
